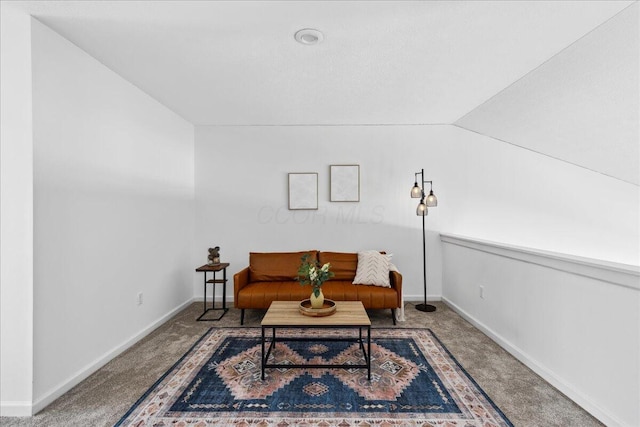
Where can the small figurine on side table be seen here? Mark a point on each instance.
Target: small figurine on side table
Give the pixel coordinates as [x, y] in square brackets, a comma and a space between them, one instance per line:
[214, 256]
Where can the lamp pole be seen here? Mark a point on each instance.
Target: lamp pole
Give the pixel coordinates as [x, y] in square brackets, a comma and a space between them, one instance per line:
[422, 210]
[424, 307]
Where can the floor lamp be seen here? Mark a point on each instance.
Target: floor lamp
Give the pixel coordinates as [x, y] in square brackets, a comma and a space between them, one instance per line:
[422, 210]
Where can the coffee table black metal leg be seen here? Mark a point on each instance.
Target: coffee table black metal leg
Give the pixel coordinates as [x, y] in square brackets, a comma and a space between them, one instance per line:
[266, 352]
[265, 355]
[262, 358]
[369, 353]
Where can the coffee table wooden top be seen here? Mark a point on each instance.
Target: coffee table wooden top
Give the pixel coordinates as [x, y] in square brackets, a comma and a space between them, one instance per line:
[286, 313]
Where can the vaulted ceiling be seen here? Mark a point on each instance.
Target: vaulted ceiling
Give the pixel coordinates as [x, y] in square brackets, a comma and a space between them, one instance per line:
[492, 67]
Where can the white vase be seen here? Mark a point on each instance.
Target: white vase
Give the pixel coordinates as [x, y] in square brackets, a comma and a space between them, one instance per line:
[317, 302]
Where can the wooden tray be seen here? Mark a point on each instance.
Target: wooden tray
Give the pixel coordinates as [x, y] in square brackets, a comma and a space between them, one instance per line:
[328, 308]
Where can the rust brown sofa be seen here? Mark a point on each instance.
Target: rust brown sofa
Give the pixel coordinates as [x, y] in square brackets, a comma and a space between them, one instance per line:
[270, 276]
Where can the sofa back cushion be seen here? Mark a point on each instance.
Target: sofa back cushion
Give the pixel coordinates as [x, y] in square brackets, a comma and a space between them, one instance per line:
[343, 264]
[276, 266]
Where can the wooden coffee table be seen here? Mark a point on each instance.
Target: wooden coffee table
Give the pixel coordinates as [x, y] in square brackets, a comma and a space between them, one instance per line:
[285, 315]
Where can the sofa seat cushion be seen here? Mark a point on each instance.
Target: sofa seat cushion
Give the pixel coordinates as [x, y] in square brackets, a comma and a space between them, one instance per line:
[260, 294]
[276, 266]
[372, 297]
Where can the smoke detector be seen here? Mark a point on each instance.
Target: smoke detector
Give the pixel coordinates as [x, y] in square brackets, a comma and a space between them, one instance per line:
[309, 36]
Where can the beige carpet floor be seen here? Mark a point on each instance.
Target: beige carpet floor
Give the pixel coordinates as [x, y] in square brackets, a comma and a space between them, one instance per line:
[105, 396]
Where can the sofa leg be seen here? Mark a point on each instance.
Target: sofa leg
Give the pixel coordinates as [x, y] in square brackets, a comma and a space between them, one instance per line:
[242, 317]
[393, 316]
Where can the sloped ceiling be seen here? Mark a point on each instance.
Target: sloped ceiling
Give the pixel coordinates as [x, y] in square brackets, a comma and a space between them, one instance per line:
[582, 106]
[381, 62]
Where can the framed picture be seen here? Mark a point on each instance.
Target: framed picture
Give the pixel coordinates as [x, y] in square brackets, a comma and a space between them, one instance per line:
[345, 183]
[303, 190]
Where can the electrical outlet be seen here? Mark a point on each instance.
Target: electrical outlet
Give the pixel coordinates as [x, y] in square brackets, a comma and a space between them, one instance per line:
[481, 291]
[139, 300]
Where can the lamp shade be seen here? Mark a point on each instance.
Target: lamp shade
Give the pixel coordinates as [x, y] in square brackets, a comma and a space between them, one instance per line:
[432, 200]
[422, 209]
[416, 191]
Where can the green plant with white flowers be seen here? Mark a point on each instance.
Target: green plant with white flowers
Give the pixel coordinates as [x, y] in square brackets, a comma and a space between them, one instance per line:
[312, 273]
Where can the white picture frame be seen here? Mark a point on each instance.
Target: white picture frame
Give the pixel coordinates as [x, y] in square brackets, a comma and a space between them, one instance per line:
[345, 183]
[303, 190]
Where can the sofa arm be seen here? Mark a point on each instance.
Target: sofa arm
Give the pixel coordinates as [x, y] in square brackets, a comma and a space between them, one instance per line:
[240, 280]
[395, 278]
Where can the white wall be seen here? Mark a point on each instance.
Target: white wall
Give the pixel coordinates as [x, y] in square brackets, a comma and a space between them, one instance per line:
[114, 198]
[486, 189]
[113, 213]
[582, 105]
[507, 194]
[576, 322]
[241, 193]
[16, 221]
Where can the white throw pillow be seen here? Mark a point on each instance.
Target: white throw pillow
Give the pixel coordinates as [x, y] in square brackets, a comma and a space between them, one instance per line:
[373, 269]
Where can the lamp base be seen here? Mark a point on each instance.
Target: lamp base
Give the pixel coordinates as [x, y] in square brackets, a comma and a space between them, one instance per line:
[425, 307]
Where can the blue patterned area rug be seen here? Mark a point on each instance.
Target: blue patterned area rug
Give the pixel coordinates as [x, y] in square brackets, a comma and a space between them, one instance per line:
[415, 381]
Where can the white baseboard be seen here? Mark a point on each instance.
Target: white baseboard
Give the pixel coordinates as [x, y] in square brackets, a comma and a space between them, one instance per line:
[16, 409]
[407, 298]
[568, 389]
[199, 298]
[420, 298]
[83, 373]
